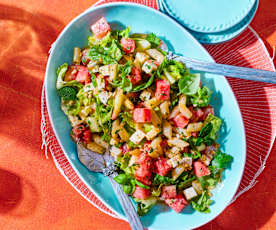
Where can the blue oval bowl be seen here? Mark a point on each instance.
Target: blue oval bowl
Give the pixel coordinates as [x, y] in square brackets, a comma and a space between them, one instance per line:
[232, 137]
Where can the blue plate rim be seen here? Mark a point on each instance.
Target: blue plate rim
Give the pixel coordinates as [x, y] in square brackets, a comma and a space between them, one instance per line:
[92, 8]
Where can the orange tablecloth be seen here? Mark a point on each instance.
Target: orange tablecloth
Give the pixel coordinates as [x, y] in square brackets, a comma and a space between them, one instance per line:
[33, 194]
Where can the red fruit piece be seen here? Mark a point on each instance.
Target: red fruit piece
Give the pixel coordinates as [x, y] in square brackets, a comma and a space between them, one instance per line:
[141, 193]
[200, 169]
[169, 192]
[100, 28]
[128, 45]
[178, 203]
[141, 115]
[161, 166]
[180, 121]
[135, 76]
[162, 90]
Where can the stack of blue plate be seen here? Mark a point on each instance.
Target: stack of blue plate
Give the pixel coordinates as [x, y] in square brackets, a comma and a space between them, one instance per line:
[211, 21]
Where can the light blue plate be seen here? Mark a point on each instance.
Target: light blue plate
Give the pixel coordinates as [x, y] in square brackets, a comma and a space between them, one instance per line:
[209, 15]
[232, 136]
[214, 38]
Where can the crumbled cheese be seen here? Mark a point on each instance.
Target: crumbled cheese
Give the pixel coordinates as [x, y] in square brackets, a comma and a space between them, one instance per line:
[145, 95]
[148, 67]
[190, 193]
[137, 137]
[104, 96]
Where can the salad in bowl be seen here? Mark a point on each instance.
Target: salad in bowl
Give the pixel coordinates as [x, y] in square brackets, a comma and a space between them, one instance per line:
[122, 93]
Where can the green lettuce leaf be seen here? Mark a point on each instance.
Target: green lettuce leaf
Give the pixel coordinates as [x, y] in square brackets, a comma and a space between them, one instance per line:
[189, 84]
[154, 40]
[202, 97]
[203, 203]
[216, 123]
[60, 78]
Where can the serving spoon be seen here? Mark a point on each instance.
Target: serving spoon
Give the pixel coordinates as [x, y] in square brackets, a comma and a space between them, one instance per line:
[104, 163]
[222, 69]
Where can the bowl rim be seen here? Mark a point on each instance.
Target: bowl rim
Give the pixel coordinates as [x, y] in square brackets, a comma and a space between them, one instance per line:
[52, 49]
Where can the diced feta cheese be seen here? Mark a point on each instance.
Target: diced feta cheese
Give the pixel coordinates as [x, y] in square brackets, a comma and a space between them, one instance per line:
[115, 152]
[109, 70]
[152, 133]
[141, 57]
[137, 137]
[149, 66]
[105, 70]
[155, 54]
[174, 161]
[145, 95]
[104, 96]
[190, 193]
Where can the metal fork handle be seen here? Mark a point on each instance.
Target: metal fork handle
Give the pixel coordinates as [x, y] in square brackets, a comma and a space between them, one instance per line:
[228, 70]
[127, 206]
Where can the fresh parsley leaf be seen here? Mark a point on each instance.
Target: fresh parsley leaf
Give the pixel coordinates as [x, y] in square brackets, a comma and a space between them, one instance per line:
[162, 180]
[201, 97]
[154, 40]
[222, 160]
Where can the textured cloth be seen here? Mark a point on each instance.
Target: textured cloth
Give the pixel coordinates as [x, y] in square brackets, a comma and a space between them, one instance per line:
[33, 195]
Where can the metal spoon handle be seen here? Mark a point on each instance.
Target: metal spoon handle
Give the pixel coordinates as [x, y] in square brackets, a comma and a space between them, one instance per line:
[229, 71]
[127, 206]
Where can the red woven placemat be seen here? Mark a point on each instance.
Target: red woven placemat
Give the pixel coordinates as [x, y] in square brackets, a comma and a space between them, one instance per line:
[257, 102]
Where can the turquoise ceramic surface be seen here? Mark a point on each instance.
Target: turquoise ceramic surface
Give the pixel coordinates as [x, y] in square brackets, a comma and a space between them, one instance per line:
[232, 137]
[209, 15]
[214, 38]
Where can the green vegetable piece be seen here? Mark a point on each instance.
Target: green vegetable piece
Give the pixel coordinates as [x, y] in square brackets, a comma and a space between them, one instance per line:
[216, 123]
[203, 203]
[147, 128]
[67, 93]
[154, 40]
[222, 160]
[141, 44]
[121, 179]
[124, 33]
[93, 124]
[143, 206]
[206, 130]
[202, 97]
[141, 184]
[162, 180]
[144, 85]
[189, 84]
[60, 76]
[128, 189]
